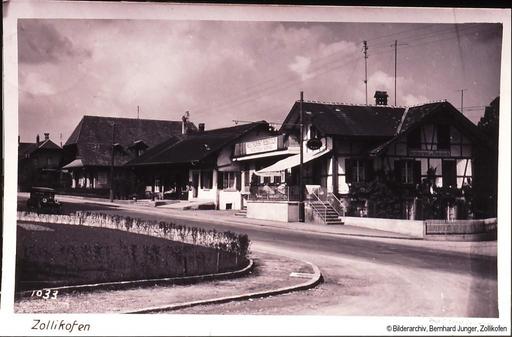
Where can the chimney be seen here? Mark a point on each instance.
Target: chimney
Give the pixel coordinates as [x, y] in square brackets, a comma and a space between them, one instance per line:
[381, 98]
[46, 136]
[37, 140]
[201, 127]
[184, 122]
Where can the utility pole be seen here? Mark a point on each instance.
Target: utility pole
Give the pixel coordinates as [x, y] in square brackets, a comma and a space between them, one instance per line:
[396, 44]
[462, 99]
[301, 166]
[365, 51]
[112, 164]
[137, 112]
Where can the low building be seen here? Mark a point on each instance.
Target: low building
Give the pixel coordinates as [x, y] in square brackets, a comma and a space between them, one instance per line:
[38, 164]
[200, 166]
[98, 144]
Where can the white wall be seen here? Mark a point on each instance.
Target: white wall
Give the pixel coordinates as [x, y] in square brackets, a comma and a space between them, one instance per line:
[277, 211]
[230, 197]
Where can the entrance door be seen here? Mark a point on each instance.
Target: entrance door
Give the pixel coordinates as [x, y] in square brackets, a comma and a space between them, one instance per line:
[195, 184]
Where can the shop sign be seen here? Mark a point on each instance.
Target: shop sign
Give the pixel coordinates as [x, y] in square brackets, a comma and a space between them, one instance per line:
[261, 145]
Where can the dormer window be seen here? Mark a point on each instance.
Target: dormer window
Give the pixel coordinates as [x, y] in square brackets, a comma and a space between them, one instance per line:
[138, 147]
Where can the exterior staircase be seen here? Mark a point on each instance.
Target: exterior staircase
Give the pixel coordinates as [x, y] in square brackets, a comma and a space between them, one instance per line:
[242, 212]
[327, 207]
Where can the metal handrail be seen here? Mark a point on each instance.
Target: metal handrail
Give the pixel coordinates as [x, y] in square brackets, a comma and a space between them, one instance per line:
[338, 201]
[325, 207]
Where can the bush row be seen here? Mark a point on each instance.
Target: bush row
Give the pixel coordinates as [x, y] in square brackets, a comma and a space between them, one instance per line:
[225, 241]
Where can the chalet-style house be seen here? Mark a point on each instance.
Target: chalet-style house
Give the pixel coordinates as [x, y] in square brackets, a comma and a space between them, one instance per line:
[363, 146]
[199, 166]
[39, 163]
[99, 143]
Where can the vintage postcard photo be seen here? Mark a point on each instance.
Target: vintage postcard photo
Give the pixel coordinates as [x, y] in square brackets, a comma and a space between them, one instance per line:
[301, 167]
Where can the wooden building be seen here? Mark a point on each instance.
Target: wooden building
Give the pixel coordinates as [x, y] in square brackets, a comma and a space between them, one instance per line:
[99, 143]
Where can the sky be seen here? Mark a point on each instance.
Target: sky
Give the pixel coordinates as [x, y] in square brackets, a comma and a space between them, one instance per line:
[222, 71]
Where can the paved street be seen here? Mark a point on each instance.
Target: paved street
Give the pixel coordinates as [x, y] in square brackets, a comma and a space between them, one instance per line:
[363, 275]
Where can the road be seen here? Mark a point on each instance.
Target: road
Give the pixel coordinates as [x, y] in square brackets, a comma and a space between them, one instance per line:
[363, 276]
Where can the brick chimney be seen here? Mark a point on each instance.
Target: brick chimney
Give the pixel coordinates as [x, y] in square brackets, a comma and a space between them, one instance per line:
[201, 127]
[46, 136]
[37, 140]
[381, 97]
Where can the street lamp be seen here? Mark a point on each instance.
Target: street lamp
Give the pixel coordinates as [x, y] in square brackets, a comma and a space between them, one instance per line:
[112, 164]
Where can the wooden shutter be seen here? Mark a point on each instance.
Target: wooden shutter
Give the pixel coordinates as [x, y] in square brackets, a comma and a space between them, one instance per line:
[220, 180]
[238, 183]
[416, 173]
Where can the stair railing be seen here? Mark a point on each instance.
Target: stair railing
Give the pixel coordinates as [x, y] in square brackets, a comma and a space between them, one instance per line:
[320, 202]
[336, 204]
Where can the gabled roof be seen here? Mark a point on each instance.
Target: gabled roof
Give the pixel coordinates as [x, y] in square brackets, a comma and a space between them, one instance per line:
[25, 149]
[432, 112]
[194, 147]
[347, 120]
[93, 136]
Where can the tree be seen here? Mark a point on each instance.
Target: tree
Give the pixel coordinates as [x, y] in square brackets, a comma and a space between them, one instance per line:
[485, 182]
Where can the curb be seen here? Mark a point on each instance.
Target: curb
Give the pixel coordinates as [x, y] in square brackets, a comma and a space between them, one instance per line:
[311, 283]
[160, 281]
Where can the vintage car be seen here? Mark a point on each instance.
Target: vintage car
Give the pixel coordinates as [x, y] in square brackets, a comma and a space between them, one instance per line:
[42, 200]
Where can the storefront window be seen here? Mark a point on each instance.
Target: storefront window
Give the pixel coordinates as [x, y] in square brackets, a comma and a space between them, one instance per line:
[207, 179]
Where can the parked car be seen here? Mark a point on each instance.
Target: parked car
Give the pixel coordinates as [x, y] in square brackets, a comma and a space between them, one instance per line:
[42, 200]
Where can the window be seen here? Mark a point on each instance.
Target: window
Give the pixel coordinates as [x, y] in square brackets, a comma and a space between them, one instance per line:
[228, 180]
[443, 137]
[277, 179]
[414, 139]
[207, 179]
[408, 171]
[312, 132]
[266, 180]
[449, 173]
[358, 170]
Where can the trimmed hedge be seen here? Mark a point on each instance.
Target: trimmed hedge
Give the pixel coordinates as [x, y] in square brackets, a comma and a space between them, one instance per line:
[224, 241]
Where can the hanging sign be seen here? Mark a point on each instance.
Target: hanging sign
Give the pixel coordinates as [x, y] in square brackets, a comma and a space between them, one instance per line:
[314, 144]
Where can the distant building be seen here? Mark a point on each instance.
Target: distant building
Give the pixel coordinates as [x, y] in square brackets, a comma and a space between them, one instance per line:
[96, 140]
[38, 163]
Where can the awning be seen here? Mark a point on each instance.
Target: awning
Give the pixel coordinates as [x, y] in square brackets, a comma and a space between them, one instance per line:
[75, 163]
[290, 162]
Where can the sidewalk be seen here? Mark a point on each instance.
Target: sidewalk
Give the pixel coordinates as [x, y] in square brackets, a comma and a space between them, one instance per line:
[271, 273]
[487, 248]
